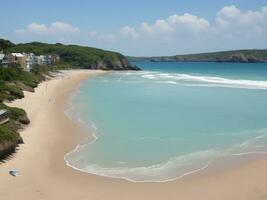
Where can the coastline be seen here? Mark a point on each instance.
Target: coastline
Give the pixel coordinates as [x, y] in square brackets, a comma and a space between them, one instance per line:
[44, 174]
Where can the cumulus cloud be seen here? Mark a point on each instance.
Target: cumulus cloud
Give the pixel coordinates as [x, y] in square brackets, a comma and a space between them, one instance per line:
[164, 29]
[159, 27]
[231, 28]
[188, 21]
[54, 29]
[248, 23]
[242, 27]
[228, 19]
[128, 31]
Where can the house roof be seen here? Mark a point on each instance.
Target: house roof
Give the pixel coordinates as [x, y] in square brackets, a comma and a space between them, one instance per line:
[17, 54]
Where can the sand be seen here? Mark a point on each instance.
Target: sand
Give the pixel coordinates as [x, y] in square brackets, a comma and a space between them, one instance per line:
[50, 135]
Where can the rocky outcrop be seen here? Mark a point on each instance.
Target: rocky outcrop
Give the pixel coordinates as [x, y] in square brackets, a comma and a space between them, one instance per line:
[121, 64]
[238, 57]
[24, 119]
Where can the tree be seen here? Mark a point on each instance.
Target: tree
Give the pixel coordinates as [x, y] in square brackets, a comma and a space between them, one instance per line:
[5, 44]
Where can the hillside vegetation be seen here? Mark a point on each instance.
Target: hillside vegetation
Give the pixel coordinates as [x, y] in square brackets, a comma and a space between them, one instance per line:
[73, 55]
[241, 56]
[13, 81]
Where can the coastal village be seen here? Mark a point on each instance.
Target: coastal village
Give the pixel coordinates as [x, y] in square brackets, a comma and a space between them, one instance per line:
[27, 60]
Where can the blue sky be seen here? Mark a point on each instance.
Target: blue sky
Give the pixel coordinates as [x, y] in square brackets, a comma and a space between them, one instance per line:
[139, 27]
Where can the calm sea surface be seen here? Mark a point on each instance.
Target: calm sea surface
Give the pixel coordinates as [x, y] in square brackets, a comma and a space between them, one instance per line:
[170, 119]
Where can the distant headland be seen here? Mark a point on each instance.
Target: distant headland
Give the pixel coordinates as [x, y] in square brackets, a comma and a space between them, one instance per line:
[235, 56]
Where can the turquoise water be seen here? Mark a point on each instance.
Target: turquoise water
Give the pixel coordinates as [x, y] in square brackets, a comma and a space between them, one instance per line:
[170, 119]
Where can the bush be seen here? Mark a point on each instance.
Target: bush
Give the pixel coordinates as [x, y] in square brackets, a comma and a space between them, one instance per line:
[13, 112]
[7, 135]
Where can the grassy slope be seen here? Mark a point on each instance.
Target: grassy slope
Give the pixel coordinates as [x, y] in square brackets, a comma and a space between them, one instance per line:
[12, 83]
[14, 80]
[76, 56]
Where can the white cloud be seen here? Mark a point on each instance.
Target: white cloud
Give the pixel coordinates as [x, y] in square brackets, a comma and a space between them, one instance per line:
[231, 28]
[54, 29]
[60, 28]
[237, 24]
[173, 25]
[231, 17]
[229, 12]
[191, 22]
[37, 28]
[128, 31]
[229, 20]
[159, 27]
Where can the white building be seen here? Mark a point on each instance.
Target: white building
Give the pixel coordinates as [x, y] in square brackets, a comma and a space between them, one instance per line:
[2, 55]
[19, 58]
[31, 61]
[27, 60]
[44, 60]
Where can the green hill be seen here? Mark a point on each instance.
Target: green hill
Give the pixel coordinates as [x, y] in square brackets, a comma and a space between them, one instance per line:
[73, 55]
[241, 56]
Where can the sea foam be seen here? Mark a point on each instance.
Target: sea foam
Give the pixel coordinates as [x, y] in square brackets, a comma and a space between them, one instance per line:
[193, 80]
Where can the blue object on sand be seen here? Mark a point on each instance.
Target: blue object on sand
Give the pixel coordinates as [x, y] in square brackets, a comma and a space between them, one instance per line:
[13, 172]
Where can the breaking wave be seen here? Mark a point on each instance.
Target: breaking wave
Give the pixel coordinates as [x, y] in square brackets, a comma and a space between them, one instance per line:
[205, 81]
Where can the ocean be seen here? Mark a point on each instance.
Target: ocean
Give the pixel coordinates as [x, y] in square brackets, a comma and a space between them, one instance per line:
[169, 120]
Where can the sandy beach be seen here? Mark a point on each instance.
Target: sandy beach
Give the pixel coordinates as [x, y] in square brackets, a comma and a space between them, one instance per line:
[50, 135]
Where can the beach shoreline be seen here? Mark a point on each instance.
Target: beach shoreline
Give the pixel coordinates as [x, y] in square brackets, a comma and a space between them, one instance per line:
[51, 135]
